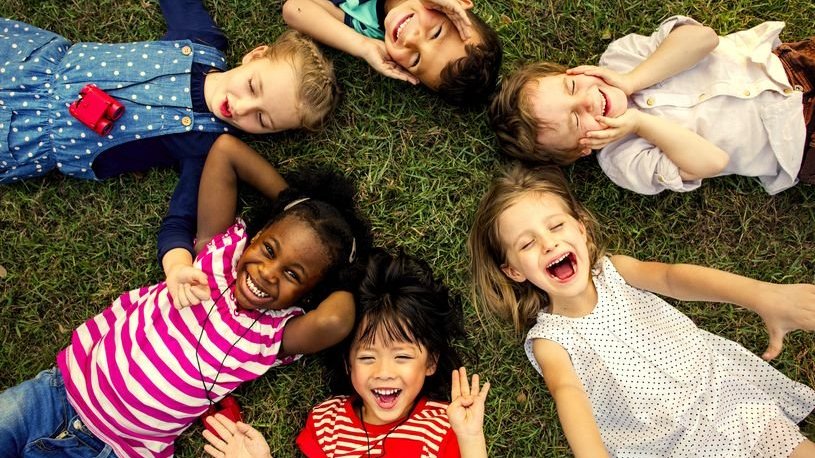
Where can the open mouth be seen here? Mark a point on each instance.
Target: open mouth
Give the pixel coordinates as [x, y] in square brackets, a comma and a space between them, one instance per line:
[397, 31]
[563, 268]
[225, 111]
[606, 107]
[259, 293]
[386, 397]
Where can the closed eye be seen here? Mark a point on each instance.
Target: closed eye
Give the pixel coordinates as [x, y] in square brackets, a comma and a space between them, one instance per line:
[416, 60]
[527, 244]
[260, 120]
[292, 275]
[251, 87]
[437, 34]
[557, 226]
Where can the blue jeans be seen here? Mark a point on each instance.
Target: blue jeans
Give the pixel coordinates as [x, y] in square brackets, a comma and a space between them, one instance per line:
[36, 420]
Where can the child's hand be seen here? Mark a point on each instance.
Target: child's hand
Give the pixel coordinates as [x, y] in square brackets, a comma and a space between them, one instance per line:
[455, 12]
[238, 440]
[615, 129]
[618, 80]
[377, 57]
[466, 409]
[187, 286]
[785, 308]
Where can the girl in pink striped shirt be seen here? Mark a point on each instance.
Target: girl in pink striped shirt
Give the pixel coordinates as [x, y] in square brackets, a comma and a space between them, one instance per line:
[139, 373]
[394, 379]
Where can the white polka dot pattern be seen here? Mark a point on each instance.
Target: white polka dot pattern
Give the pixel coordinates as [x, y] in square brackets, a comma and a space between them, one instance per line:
[41, 73]
[660, 386]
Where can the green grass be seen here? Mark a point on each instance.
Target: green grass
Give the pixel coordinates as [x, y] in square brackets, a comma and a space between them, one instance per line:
[69, 247]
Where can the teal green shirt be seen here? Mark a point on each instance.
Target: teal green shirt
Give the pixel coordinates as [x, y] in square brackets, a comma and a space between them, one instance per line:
[364, 16]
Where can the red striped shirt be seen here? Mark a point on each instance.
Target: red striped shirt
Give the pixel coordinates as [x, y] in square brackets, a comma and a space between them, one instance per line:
[333, 430]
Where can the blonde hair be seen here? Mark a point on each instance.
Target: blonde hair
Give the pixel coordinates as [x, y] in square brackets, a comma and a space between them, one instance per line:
[514, 123]
[493, 292]
[318, 93]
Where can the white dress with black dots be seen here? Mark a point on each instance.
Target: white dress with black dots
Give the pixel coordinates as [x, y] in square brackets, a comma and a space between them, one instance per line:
[660, 386]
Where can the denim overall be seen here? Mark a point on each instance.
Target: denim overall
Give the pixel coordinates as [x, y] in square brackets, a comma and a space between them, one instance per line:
[41, 73]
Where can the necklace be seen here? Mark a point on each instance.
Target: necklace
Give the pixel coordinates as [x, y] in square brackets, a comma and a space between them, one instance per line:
[208, 390]
[381, 441]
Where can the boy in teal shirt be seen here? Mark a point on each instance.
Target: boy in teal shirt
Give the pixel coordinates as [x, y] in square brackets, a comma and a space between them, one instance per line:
[439, 43]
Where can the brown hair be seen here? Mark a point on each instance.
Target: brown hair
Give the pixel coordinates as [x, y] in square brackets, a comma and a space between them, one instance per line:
[471, 79]
[512, 120]
[493, 291]
[318, 94]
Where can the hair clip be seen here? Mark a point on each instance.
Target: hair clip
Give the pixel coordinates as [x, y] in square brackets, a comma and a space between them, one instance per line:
[353, 250]
[295, 202]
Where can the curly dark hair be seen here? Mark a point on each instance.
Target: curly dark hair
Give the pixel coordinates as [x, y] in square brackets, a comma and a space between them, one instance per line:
[469, 81]
[400, 300]
[330, 209]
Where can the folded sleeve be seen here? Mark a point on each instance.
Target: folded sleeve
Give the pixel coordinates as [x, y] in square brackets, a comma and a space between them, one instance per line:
[637, 165]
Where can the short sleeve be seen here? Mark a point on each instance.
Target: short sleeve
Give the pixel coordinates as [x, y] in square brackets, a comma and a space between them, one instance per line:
[635, 164]
[307, 440]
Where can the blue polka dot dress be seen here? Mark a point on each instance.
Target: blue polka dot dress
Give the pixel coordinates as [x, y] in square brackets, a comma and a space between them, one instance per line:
[660, 386]
[41, 73]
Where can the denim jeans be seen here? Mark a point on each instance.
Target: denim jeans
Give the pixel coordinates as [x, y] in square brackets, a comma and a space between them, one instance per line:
[36, 420]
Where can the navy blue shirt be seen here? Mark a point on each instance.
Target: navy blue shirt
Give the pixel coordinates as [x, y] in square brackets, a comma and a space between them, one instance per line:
[186, 20]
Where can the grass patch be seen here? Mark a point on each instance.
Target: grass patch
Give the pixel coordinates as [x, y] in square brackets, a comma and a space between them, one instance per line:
[70, 247]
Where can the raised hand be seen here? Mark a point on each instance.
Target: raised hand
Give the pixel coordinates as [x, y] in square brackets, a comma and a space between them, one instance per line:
[618, 80]
[187, 286]
[237, 440]
[785, 308]
[615, 128]
[455, 11]
[377, 57]
[466, 409]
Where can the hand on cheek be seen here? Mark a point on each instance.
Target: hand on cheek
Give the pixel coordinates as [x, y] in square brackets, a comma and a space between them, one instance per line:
[611, 129]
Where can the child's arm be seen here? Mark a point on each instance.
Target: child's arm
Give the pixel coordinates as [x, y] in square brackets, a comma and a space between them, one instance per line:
[237, 440]
[323, 21]
[696, 157]
[228, 160]
[683, 48]
[573, 406]
[466, 414]
[783, 308]
[320, 328]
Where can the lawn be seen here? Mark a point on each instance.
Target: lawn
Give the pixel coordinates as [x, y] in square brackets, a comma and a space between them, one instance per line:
[70, 247]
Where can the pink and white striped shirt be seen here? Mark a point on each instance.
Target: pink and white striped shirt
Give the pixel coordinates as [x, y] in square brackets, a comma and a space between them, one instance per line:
[131, 371]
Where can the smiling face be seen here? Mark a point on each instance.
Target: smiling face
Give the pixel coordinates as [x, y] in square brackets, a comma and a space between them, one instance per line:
[388, 376]
[258, 96]
[547, 246]
[284, 262]
[566, 107]
[423, 41]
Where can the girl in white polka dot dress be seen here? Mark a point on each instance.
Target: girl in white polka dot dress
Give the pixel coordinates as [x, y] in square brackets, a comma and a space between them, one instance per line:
[630, 375]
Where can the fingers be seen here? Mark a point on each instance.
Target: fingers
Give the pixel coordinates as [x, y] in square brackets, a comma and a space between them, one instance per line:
[775, 345]
[250, 432]
[215, 442]
[200, 293]
[465, 384]
[484, 390]
[226, 423]
[455, 387]
[580, 69]
[212, 451]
